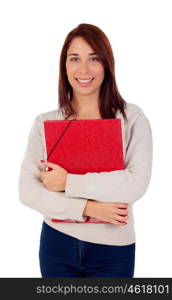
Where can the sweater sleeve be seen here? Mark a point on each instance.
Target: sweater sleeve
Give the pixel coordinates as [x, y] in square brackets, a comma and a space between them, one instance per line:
[126, 185]
[32, 192]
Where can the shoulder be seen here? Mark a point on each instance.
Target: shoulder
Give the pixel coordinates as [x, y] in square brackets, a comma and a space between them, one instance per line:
[133, 113]
[137, 119]
[50, 115]
[39, 119]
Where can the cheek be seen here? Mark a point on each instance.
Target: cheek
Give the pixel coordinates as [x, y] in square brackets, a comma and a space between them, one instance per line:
[100, 76]
[99, 71]
[70, 73]
[71, 78]
[71, 68]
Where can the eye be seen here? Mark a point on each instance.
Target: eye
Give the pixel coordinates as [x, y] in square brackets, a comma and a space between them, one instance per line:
[73, 59]
[92, 58]
[95, 58]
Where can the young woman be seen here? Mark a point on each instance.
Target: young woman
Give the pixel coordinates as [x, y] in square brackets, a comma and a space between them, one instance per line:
[88, 90]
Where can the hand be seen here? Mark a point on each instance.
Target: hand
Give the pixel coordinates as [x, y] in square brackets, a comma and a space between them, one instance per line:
[54, 180]
[113, 212]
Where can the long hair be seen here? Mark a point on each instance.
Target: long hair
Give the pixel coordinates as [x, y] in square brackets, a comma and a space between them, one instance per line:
[110, 99]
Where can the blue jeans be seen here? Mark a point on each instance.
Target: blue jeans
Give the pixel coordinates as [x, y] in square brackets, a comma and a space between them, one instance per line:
[61, 255]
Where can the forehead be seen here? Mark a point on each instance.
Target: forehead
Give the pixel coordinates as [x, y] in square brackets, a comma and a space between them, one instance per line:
[79, 45]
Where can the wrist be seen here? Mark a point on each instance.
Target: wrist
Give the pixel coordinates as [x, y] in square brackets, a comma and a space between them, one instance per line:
[88, 208]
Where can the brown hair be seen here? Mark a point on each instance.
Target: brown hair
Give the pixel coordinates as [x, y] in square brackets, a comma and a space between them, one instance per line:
[110, 99]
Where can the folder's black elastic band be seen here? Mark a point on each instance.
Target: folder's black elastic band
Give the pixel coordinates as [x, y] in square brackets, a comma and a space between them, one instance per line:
[59, 138]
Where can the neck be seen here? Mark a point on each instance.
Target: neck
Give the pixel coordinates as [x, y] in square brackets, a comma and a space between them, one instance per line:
[85, 104]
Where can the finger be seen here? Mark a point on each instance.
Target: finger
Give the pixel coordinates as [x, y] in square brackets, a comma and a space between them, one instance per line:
[121, 205]
[42, 173]
[121, 218]
[117, 223]
[123, 211]
[50, 164]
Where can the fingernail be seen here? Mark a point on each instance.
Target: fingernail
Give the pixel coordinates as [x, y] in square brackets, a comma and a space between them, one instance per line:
[42, 160]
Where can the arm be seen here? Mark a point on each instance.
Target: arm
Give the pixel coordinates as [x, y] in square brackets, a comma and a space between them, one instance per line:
[31, 190]
[126, 185]
[111, 212]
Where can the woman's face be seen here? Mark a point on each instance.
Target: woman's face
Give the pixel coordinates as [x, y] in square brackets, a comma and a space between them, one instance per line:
[83, 63]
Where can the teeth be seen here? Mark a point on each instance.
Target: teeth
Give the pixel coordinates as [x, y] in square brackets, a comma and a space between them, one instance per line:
[84, 81]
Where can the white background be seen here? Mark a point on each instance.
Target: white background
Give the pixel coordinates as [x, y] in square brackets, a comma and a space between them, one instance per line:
[31, 38]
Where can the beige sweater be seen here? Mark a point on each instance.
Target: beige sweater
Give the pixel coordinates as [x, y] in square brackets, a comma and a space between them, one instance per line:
[127, 185]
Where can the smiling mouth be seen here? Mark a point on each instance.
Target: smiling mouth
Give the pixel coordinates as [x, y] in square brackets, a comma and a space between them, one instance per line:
[84, 81]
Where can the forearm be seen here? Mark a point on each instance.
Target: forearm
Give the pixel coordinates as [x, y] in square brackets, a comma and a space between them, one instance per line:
[89, 209]
[115, 213]
[33, 194]
[126, 185]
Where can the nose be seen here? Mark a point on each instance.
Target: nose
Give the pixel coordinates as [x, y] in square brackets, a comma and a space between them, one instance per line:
[83, 67]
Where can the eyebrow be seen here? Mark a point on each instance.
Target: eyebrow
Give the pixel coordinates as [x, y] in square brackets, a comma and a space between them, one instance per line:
[76, 54]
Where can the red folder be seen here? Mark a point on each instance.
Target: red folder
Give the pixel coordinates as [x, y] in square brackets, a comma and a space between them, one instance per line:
[82, 146]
